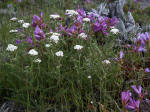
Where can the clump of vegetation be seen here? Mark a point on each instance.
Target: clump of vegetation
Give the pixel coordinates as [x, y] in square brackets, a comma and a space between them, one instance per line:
[66, 61]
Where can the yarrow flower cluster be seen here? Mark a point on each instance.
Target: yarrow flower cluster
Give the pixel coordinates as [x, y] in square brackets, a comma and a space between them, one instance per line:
[54, 16]
[82, 35]
[55, 37]
[13, 19]
[71, 13]
[33, 52]
[59, 54]
[78, 47]
[106, 62]
[25, 25]
[13, 31]
[38, 60]
[21, 21]
[47, 45]
[11, 47]
[114, 31]
[86, 20]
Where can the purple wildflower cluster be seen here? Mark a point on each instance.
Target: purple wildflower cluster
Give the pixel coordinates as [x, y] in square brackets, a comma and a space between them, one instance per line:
[142, 42]
[128, 102]
[99, 24]
[79, 19]
[37, 23]
[103, 24]
[140, 0]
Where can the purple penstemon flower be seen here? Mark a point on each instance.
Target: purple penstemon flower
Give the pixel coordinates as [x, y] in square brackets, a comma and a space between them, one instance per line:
[139, 0]
[37, 21]
[133, 104]
[97, 26]
[91, 16]
[138, 91]
[141, 42]
[9, 5]
[18, 41]
[121, 54]
[125, 97]
[29, 40]
[135, 0]
[81, 15]
[102, 25]
[80, 18]
[88, 1]
[19, 1]
[141, 49]
[147, 70]
[39, 34]
[113, 21]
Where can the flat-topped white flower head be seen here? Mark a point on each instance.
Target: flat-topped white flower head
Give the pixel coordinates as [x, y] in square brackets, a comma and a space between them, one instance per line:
[21, 21]
[13, 31]
[38, 60]
[33, 52]
[106, 62]
[54, 16]
[60, 53]
[78, 47]
[13, 19]
[55, 33]
[54, 38]
[82, 35]
[71, 12]
[47, 45]
[89, 77]
[25, 25]
[86, 20]
[11, 47]
[112, 27]
[114, 31]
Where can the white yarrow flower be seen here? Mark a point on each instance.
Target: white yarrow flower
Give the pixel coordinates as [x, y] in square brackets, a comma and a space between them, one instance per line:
[89, 77]
[13, 31]
[54, 16]
[11, 47]
[47, 45]
[13, 19]
[54, 38]
[71, 12]
[33, 52]
[112, 27]
[38, 60]
[25, 25]
[78, 47]
[83, 35]
[21, 21]
[106, 62]
[114, 30]
[55, 33]
[60, 53]
[86, 20]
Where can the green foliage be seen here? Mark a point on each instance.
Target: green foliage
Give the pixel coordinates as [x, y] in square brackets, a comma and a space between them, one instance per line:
[64, 83]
